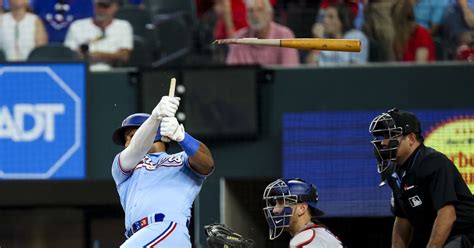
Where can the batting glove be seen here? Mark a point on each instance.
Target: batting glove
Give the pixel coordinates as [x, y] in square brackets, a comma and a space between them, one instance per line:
[167, 107]
[170, 128]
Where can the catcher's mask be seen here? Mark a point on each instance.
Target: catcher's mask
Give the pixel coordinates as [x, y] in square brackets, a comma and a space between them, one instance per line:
[280, 196]
[386, 129]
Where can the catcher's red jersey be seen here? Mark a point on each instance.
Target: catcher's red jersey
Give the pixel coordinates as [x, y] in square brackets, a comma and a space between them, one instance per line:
[315, 236]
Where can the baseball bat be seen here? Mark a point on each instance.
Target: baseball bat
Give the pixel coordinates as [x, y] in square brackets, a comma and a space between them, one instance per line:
[340, 45]
[172, 87]
[170, 93]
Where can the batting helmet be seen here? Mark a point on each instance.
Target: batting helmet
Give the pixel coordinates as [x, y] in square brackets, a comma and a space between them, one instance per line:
[134, 120]
[389, 126]
[282, 194]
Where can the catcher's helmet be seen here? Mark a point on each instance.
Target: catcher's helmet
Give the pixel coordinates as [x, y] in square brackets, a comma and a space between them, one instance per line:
[134, 120]
[391, 125]
[281, 195]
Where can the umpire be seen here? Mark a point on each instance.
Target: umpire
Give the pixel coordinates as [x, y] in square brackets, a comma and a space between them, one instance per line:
[432, 204]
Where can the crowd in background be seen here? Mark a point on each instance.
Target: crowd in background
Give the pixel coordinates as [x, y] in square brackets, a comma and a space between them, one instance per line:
[127, 32]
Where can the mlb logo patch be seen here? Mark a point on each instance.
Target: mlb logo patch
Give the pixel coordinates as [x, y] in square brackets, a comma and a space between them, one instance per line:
[415, 201]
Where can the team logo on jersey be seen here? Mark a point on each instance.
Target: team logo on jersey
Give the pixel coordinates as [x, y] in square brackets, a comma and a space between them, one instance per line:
[171, 161]
[147, 163]
[415, 201]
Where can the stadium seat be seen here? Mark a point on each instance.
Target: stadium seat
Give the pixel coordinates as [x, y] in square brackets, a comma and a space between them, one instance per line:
[140, 55]
[175, 29]
[175, 37]
[375, 52]
[440, 49]
[300, 20]
[166, 7]
[142, 25]
[52, 52]
[139, 19]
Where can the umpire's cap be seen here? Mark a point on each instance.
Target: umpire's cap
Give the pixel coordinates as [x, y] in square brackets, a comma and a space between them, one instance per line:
[406, 120]
[134, 120]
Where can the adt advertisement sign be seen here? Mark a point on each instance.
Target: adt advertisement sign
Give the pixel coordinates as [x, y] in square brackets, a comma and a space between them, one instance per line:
[42, 109]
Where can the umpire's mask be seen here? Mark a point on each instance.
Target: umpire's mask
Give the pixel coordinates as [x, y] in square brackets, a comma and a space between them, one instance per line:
[384, 127]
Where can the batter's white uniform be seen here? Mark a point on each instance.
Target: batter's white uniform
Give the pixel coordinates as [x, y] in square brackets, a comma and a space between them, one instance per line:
[315, 236]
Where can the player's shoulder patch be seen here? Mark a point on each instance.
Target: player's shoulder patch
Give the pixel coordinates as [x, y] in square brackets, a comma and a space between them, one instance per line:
[303, 238]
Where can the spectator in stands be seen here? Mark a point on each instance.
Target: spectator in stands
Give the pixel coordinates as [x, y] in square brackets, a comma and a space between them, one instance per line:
[20, 31]
[379, 28]
[459, 24]
[412, 42]
[102, 39]
[318, 26]
[339, 24]
[429, 13]
[58, 15]
[465, 53]
[231, 16]
[325, 4]
[261, 25]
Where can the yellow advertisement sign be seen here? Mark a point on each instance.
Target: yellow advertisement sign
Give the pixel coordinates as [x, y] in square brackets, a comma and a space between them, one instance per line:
[455, 138]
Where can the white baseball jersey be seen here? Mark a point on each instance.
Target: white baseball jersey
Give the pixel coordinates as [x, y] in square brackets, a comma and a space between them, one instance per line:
[160, 183]
[315, 236]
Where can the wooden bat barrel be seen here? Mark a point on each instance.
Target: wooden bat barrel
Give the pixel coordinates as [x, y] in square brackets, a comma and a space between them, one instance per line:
[341, 45]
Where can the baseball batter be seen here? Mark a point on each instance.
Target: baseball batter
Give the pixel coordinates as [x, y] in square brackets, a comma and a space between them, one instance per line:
[157, 189]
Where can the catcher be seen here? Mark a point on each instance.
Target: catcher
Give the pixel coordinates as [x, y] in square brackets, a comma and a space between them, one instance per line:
[291, 205]
[221, 236]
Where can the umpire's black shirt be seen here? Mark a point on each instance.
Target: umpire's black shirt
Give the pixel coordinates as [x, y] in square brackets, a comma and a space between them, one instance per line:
[426, 182]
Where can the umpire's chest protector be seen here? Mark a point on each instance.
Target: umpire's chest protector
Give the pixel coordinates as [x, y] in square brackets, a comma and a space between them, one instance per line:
[412, 198]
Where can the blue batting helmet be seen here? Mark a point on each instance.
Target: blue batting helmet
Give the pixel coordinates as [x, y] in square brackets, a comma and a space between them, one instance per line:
[134, 120]
[279, 197]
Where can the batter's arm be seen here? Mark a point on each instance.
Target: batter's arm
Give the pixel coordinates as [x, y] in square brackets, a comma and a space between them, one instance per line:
[202, 161]
[144, 137]
[200, 158]
[140, 144]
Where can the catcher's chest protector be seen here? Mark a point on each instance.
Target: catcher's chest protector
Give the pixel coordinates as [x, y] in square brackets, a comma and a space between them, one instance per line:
[314, 237]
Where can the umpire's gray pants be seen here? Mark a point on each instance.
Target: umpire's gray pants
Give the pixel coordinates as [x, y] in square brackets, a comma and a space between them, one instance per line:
[454, 243]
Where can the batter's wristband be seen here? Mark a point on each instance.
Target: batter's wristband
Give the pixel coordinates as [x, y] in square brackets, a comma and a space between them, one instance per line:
[189, 144]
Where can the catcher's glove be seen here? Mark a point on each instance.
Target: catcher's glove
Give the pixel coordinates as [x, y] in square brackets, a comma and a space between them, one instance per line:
[220, 236]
